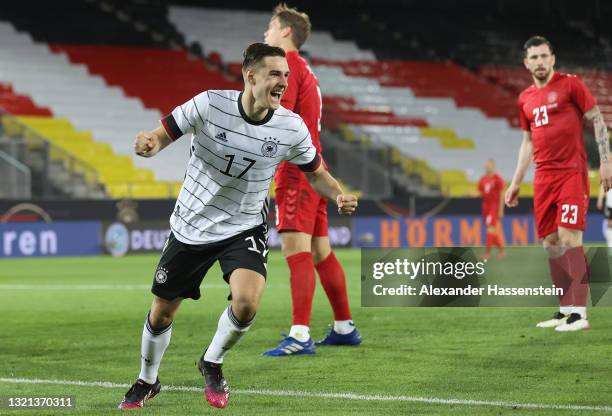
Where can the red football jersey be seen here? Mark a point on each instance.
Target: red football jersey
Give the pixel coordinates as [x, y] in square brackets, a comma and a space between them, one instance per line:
[303, 95]
[490, 188]
[553, 114]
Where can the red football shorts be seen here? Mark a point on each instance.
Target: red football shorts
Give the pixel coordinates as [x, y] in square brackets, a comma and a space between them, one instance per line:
[298, 206]
[560, 200]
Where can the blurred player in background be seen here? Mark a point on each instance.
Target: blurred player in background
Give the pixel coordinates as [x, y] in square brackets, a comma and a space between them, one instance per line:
[491, 187]
[551, 114]
[220, 214]
[301, 216]
[604, 202]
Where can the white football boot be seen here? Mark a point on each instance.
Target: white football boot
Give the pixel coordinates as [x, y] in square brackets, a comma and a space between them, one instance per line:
[557, 319]
[574, 322]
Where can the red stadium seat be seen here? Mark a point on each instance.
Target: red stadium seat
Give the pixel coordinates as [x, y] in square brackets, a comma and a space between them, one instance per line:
[159, 77]
[345, 109]
[215, 58]
[435, 79]
[19, 104]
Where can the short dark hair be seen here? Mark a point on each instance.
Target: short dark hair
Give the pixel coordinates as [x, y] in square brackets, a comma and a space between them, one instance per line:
[299, 23]
[536, 41]
[256, 52]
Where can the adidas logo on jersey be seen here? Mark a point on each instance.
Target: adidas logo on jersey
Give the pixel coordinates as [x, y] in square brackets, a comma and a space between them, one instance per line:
[221, 136]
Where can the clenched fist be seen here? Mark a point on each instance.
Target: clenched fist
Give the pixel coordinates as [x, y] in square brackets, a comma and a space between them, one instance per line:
[145, 144]
[346, 204]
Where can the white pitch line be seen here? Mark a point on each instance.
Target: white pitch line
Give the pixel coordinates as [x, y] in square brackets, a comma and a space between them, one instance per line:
[109, 287]
[72, 287]
[322, 395]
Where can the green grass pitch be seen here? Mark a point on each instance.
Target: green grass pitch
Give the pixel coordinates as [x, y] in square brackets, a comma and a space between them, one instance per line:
[80, 319]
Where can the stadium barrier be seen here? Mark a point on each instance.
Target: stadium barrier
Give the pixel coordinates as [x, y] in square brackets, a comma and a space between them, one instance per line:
[77, 238]
[454, 230]
[150, 236]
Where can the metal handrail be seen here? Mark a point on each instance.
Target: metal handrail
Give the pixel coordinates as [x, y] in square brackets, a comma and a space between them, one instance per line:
[20, 167]
[72, 163]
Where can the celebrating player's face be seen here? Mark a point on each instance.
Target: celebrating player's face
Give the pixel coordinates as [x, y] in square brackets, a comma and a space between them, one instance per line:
[270, 82]
[274, 34]
[540, 61]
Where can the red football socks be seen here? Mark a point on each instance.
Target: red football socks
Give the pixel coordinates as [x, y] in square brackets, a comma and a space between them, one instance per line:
[333, 281]
[559, 272]
[301, 267]
[578, 272]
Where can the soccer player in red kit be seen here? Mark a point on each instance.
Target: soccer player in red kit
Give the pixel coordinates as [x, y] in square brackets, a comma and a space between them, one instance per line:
[491, 187]
[551, 114]
[301, 216]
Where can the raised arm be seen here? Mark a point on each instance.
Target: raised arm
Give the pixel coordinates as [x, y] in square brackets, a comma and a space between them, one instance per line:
[603, 145]
[325, 185]
[524, 160]
[148, 144]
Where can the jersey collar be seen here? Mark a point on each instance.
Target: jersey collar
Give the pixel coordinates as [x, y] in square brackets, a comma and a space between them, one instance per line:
[250, 120]
[552, 79]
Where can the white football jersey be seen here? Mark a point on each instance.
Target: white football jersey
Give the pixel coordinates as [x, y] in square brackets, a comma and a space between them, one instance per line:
[232, 164]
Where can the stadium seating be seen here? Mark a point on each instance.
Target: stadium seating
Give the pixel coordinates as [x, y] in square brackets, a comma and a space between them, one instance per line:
[388, 100]
[478, 32]
[204, 25]
[433, 79]
[516, 79]
[19, 104]
[70, 91]
[116, 173]
[160, 78]
[442, 119]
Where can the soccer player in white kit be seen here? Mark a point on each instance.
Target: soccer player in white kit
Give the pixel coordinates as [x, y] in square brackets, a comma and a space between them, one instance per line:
[237, 141]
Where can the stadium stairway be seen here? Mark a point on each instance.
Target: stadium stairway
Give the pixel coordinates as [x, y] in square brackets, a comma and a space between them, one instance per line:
[54, 172]
[160, 78]
[71, 92]
[97, 163]
[430, 112]
[460, 154]
[19, 104]
[204, 25]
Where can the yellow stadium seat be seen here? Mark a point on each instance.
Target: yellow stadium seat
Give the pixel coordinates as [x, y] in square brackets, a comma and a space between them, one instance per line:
[142, 190]
[462, 190]
[452, 182]
[447, 137]
[594, 183]
[151, 190]
[526, 190]
[118, 190]
[176, 188]
[272, 190]
[116, 172]
[396, 156]
[347, 133]
[39, 121]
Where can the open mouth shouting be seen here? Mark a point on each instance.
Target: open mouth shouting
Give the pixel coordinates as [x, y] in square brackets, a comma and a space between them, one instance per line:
[276, 95]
